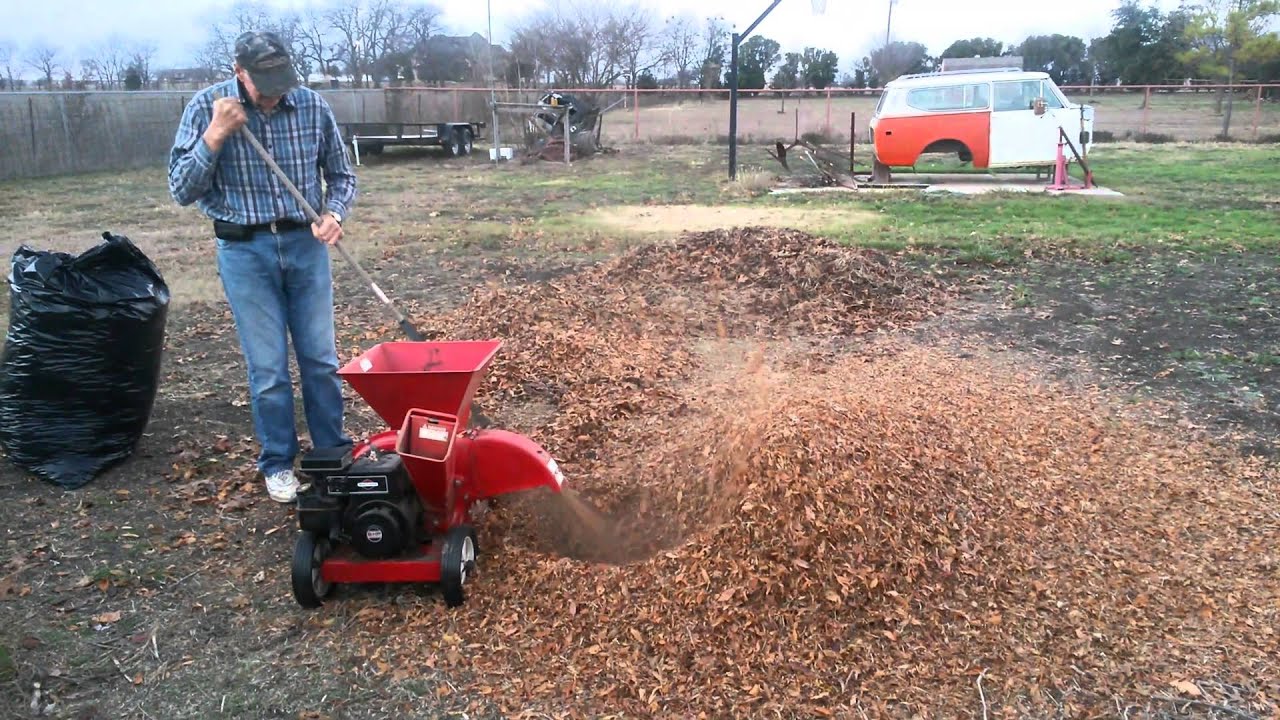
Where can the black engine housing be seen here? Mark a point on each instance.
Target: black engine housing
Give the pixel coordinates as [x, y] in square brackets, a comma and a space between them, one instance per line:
[368, 503]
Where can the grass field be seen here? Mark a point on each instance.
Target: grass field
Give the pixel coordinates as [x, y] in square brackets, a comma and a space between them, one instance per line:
[1188, 117]
[1168, 297]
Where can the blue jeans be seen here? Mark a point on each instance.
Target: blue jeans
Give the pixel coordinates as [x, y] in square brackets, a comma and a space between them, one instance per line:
[280, 286]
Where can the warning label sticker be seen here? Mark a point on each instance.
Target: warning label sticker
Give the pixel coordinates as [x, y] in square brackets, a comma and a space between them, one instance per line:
[438, 433]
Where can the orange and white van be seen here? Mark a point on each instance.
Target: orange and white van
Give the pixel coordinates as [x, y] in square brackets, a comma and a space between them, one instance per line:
[993, 118]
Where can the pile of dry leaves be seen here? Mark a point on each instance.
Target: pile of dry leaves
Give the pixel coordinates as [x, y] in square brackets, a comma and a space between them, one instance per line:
[895, 529]
[616, 340]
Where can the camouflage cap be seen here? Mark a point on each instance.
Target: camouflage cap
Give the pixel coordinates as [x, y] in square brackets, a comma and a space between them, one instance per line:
[266, 58]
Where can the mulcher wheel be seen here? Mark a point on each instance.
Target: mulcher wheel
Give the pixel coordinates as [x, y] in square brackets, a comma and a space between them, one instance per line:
[309, 589]
[457, 563]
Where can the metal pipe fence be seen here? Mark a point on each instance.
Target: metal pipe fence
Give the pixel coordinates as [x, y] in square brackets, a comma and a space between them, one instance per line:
[50, 133]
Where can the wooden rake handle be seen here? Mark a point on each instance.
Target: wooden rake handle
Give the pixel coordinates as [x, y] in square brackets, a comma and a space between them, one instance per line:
[314, 217]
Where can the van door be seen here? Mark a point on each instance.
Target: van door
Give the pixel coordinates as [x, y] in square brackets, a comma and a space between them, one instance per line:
[1019, 136]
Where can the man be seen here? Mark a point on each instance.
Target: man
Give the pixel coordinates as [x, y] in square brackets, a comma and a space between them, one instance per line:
[274, 264]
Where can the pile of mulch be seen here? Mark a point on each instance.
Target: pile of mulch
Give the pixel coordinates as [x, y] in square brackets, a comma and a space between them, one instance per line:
[777, 283]
[616, 340]
[887, 532]
[879, 538]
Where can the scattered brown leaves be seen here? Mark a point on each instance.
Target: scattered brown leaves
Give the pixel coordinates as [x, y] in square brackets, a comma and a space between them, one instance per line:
[872, 536]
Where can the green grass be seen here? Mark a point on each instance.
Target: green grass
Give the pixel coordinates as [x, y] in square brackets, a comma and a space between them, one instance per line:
[1254, 359]
[1188, 197]
[1208, 197]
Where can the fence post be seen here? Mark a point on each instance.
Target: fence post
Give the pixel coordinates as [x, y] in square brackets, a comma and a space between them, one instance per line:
[635, 100]
[853, 138]
[568, 147]
[31, 115]
[68, 142]
[1146, 109]
[828, 132]
[1257, 113]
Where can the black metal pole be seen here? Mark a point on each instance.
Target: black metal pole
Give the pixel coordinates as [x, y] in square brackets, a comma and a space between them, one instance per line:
[733, 108]
[733, 90]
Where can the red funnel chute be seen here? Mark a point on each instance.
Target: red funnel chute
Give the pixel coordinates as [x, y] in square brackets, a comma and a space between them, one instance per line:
[395, 377]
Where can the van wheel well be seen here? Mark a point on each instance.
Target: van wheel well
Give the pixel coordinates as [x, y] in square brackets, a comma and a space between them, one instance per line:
[950, 146]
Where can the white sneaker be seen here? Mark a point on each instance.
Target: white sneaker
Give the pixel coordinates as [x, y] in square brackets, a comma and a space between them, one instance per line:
[282, 486]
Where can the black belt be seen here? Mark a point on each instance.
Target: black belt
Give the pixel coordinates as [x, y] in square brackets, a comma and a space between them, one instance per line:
[235, 231]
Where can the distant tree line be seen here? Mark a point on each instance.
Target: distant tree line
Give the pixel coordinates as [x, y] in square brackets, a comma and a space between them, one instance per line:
[1219, 41]
[625, 43]
[115, 63]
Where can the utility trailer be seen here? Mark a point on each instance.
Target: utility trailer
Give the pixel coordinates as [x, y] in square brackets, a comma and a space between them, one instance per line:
[457, 138]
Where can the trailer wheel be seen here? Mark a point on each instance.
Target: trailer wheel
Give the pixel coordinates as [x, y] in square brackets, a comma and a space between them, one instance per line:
[455, 143]
[468, 143]
[457, 563]
[309, 553]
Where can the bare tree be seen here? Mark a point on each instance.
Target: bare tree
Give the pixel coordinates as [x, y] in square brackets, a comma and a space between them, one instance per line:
[715, 52]
[140, 57]
[679, 46]
[421, 22]
[532, 52]
[352, 22]
[218, 54]
[317, 43]
[581, 45]
[390, 47]
[898, 58]
[44, 59]
[7, 54]
[634, 38]
[106, 64]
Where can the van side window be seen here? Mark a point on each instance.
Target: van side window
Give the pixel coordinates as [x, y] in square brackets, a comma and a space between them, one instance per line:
[954, 97]
[1016, 95]
[1022, 95]
[1051, 100]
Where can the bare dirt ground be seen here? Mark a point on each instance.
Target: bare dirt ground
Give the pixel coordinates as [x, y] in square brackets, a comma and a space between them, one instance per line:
[1202, 334]
[161, 590]
[667, 220]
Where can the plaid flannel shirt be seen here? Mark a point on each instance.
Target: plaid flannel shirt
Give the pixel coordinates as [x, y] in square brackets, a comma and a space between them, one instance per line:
[235, 185]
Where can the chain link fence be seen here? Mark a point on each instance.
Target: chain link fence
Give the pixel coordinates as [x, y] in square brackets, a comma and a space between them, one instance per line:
[49, 133]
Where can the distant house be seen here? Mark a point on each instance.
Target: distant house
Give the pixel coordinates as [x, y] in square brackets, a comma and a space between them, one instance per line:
[185, 78]
[445, 59]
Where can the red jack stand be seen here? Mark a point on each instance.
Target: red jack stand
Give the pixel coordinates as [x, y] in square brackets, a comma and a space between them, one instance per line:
[1061, 178]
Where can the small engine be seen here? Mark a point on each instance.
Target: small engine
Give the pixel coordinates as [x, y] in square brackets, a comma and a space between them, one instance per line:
[368, 503]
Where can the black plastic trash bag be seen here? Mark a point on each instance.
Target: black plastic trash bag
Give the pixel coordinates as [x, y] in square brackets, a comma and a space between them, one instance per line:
[81, 362]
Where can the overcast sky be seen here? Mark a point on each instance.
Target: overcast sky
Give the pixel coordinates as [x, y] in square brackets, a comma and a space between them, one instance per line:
[849, 27]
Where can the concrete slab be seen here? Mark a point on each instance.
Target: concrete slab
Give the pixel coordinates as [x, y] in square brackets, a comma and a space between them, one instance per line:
[964, 184]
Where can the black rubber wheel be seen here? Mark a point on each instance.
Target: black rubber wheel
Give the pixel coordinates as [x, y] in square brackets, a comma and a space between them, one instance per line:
[457, 563]
[468, 143]
[455, 143]
[308, 554]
